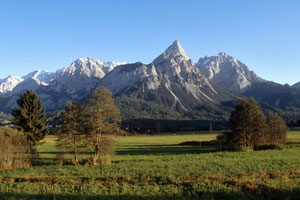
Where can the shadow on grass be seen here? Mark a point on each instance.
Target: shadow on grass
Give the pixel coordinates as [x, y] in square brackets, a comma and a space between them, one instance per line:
[270, 194]
[135, 150]
[165, 150]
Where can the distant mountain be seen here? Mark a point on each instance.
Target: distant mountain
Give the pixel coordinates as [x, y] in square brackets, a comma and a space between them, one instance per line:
[42, 75]
[172, 86]
[297, 84]
[172, 80]
[275, 94]
[82, 74]
[228, 72]
[30, 83]
[9, 83]
[69, 78]
[56, 88]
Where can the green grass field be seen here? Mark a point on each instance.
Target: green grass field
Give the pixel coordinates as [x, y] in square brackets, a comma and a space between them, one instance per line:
[156, 167]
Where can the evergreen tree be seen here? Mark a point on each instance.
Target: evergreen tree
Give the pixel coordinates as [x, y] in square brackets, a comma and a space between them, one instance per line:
[70, 133]
[30, 117]
[102, 118]
[277, 129]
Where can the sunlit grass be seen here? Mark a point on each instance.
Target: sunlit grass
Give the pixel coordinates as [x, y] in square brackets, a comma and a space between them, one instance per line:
[156, 167]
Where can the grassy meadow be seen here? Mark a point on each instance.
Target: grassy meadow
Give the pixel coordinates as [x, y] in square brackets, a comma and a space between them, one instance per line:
[159, 167]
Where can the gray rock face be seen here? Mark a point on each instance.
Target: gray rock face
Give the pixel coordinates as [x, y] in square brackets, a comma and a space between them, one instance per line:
[175, 67]
[122, 78]
[228, 72]
[172, 70]
[172, 79]
[80, 75]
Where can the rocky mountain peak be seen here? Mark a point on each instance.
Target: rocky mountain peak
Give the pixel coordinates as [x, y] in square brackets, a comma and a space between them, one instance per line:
[176, 50]
[42, 75]
[222, 53]
[228, 72]
[8, 84]
[89, 67]
[173, 52]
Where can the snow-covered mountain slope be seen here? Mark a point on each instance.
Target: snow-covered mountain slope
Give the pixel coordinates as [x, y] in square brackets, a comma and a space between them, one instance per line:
[228, 72]
[172, 77]
[108, 66]
[42, 75]
[82, 74]
[9, 83]
[170, 86]
[30, 83]
[90, 67]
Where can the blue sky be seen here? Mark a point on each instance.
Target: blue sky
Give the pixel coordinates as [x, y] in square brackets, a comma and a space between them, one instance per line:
[50, 34]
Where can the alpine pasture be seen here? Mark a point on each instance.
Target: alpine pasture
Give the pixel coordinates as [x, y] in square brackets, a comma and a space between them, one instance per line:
[161, 167]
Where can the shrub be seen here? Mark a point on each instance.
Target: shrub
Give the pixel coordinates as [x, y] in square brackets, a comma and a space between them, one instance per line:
[277, 129]
[14, 149]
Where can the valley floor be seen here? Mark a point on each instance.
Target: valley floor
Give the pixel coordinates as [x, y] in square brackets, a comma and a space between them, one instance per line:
[156, 167]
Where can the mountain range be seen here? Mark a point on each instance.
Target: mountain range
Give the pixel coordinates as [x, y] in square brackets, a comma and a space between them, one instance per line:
[172, 86]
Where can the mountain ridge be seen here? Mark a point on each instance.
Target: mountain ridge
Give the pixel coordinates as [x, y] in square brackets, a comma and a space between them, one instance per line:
[172, 85]
[228, 72]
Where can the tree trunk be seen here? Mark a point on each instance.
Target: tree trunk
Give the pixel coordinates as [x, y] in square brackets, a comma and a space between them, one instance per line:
[96, 150]
[75, 149]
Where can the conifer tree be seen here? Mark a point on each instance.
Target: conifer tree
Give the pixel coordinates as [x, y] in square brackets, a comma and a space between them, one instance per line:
[30, 117]
[102, 118]
[70, 133]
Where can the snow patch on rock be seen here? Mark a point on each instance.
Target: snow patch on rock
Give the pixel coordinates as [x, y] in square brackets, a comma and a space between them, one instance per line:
[9, 83]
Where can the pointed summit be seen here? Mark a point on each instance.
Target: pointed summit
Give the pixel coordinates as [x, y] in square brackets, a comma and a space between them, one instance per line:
[222, 53]
[176, 49]
[173, 51]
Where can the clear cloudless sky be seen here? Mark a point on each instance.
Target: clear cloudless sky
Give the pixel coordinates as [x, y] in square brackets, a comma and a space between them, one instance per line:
[50, 34]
